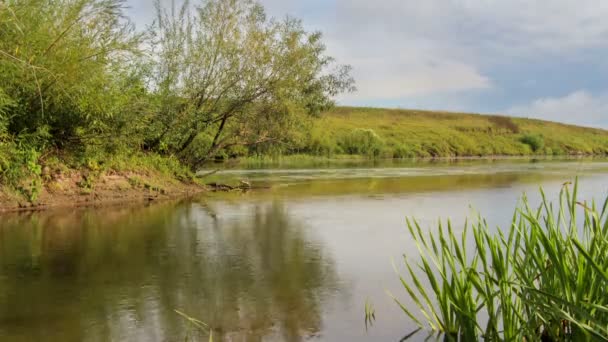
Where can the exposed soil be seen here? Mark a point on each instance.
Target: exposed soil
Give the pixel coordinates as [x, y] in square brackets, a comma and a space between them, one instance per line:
[83, 188]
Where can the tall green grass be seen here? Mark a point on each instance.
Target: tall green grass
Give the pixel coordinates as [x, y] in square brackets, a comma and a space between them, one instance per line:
[401, 133]
[545, 278]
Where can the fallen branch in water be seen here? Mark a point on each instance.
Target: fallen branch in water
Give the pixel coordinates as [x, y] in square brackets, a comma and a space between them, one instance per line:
[243, 186]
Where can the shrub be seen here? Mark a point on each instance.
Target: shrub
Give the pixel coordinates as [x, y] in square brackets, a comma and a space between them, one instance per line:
[536, 142]
[20, 169]
[558, 151]
[402, 151]
[362, 141]
[321, 145]
[65, 67]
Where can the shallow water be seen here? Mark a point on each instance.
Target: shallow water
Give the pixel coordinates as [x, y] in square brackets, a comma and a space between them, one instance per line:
[295, 262]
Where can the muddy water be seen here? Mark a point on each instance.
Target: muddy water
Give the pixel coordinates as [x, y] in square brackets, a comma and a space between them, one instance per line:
[294, 262]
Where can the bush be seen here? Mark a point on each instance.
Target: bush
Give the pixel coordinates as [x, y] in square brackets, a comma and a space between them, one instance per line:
[536, 142]
[320, 144]
[77, 53]
[402, 151]
[362, 141]
[20, 170]
[558, 151]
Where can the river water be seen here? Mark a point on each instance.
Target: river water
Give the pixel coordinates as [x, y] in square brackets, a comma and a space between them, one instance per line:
[294, 262]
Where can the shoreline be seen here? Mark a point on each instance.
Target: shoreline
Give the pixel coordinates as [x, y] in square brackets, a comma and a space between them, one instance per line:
[304, 159]
[109, 189]
[76, 190]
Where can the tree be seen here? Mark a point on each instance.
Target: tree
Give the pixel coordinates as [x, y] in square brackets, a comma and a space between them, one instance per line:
[226, 75]
[63, 66]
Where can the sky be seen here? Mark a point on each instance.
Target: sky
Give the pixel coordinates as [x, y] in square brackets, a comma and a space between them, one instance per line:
[544, 59]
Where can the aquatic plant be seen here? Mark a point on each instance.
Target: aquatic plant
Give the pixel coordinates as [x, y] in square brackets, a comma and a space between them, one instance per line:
[370, 314]
[544, 278]
[195, 324]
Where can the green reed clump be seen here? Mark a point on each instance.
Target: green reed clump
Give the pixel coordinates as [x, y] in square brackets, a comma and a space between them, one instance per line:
[545, 278]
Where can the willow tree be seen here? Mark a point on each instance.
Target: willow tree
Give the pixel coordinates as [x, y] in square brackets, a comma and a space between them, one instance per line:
[64, 69]
[227, 75]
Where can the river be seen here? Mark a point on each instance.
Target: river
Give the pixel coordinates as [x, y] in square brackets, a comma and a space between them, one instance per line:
[293, 262]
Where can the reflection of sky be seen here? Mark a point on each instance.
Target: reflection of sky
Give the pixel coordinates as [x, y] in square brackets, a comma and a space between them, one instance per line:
[543, 59]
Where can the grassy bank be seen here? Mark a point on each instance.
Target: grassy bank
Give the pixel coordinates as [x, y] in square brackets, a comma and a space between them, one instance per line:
[414, 133]
[69, 179]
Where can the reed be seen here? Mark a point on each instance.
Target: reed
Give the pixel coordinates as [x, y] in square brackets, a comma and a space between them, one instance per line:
[194, 326]
[543, 279]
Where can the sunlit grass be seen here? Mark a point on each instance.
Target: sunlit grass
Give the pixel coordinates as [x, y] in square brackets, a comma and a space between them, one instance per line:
[417, 133]
[544, 278]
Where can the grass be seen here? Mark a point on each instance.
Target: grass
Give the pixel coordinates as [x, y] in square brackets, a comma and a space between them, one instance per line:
[195, 325]
[370, 314]
[30, 174]
[544, 279]
[416, 133]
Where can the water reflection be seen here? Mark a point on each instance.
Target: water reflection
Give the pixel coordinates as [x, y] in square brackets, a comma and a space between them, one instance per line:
[119, 274]
[424, 177]
[294, 262]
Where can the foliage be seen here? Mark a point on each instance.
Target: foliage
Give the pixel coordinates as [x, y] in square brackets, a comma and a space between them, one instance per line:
[361, 141]
[215, 78]
[61, 64]
[228, 72]
[19, 168]
[536, 142]
[544, 278]
[423, 134]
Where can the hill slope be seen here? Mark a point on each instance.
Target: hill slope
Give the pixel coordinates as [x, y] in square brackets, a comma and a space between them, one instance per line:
[414, 133]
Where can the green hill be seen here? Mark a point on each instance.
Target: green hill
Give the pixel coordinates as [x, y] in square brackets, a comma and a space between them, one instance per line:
[400, 133]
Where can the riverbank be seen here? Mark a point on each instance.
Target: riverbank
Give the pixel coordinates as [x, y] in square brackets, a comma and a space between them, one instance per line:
[305, 160]
[145, 179]
[118, 180]
[410, 133]
[33, 179]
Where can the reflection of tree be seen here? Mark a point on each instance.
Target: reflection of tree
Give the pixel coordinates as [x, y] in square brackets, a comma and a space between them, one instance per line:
[118, 274]
[262, 275]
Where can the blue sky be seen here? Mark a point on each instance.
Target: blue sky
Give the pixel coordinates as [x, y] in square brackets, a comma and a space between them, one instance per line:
[546, 59]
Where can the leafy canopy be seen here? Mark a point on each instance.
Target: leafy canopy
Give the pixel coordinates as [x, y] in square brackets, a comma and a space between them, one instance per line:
[227, 75]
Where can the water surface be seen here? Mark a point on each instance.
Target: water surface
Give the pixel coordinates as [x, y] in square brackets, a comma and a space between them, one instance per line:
[294, 262]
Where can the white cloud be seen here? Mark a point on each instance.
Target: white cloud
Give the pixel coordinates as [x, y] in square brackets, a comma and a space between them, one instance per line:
[580, 108]
[501, 25]
[379, 79]
[407, 51]
[411, 48]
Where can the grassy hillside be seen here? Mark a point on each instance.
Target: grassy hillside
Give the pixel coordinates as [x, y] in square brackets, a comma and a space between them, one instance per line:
[416, 133]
